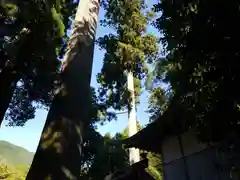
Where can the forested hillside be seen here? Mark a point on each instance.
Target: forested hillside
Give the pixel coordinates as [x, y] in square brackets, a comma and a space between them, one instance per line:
[14, 161]
[14, 154]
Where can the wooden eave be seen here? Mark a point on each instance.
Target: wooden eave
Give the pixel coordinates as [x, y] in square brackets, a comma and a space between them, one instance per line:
[151, 137]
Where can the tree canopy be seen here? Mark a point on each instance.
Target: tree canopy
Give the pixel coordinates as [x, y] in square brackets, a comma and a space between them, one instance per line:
[107, 158]
[201, 64]
[32, 39]
[200, 68]
[128, 49]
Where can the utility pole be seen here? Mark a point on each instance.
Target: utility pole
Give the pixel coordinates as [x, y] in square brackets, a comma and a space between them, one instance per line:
[132, 122]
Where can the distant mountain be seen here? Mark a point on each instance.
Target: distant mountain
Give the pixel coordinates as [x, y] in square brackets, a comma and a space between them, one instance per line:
[14, 155]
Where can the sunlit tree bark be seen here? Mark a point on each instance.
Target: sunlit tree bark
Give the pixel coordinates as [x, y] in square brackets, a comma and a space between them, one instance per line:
[59, 150]
[134, 155]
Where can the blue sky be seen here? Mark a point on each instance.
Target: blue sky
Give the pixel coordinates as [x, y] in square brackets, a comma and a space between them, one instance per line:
[28, 136]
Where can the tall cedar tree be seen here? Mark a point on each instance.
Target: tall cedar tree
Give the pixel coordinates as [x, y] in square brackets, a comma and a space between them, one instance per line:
[60, 150]
[128, 48]
[32, 37]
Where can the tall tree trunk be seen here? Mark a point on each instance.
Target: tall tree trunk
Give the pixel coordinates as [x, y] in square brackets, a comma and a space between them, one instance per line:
[8, 82]
[58, 155]
[134, 156]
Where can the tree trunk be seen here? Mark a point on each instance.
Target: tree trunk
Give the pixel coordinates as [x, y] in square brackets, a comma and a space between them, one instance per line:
[134, 156]
[58, 155]
[8, 82]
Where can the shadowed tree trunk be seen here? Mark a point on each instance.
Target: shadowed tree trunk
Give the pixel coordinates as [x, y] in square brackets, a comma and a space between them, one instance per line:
[8, 81]
[8, 78]
[59, 151]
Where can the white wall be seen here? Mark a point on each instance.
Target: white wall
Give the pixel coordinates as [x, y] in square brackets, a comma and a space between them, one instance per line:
[171, 147]
[200, 162]
[190, 143]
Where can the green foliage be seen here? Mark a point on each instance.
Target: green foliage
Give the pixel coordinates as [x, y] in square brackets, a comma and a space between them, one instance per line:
[96, 151]
[154, 173]
[202, 63]
[99, 111]
[113, 157]
[5, 172]
[107, 158]
[157, 102]
[10, 173]
[32, 38]
[202, 67]
[129, 49]
[94, 143]
[158, 89]
[155, 165]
